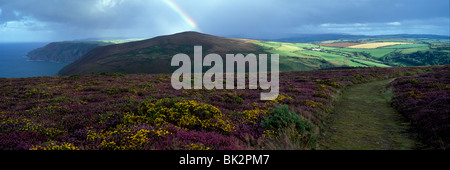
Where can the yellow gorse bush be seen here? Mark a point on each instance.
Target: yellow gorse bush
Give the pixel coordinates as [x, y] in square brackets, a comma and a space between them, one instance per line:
[131, 118]
[128, 139]
[312, 104]
[160, 132]
[331, 82]
[270, 134]
[31, 126]
[139, 138]
[252, 116]
[194, 146]
[413, 94]
[320, 87]
[282, 97]
[12, 120]
[161, 113]
[52, 145]
[185, 113]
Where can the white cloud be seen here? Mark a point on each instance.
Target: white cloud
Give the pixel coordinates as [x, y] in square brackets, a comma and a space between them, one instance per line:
[439, 25]
[335, 25]
[104, 5]
[394, 23]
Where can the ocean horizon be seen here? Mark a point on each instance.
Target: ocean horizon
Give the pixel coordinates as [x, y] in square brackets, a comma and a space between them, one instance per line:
[14, 62]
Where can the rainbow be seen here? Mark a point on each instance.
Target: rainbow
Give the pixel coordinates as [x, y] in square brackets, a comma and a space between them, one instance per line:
[182, 14]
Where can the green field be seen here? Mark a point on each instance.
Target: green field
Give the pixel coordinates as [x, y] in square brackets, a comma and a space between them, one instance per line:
[404, 46]
[377, 53]
[305, 56]
[413, 50]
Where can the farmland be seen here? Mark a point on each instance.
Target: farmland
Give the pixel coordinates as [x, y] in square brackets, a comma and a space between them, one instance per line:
[339, 44]
[139, 111]
[353, 53]
[376, 45]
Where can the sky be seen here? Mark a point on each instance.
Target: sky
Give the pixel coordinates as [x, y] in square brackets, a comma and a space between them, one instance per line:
[60, 20]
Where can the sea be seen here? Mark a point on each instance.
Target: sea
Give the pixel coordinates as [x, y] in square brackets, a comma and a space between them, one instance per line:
[15, 64]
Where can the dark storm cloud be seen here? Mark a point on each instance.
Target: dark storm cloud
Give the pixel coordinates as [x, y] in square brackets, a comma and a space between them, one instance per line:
[291, 17]
[8, 15]
[76, 19]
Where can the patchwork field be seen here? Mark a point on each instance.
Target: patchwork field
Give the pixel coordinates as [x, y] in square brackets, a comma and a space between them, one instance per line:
[404, 46]
[339, 44]
[357, 53]
[376, 45]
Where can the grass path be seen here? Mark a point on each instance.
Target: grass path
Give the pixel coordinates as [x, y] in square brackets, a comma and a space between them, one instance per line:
[363, 119]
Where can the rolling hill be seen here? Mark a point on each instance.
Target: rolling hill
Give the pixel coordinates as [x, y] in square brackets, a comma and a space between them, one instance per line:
[154, 55]
[69, 51]
[66, 51]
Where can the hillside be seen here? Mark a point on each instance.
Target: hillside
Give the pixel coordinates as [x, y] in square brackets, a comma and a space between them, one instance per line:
[142, 111]
[153, 55]
[69, 51]
[66, 51]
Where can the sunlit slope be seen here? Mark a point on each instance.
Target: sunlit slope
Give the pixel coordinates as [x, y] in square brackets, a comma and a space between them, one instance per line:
[317, 57]
[362, 53]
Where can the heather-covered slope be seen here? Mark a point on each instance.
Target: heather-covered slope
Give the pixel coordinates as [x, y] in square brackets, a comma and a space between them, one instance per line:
[139, 111]
[424, 100]
[153, 55]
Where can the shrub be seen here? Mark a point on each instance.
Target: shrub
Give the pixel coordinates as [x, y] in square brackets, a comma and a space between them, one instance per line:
[294, 132]
[184, 113]
[330, 82]
[321, 95]
[52, 145]
[312, 104]
[283, 98]
[252, 116]
[281, 117]
[233, 98]
[320, 87]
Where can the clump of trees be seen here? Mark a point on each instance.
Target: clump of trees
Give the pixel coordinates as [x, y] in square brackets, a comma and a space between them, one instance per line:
[417, 58]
